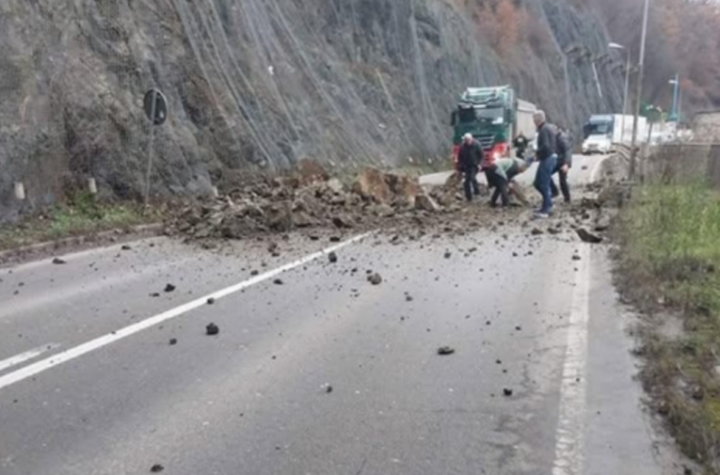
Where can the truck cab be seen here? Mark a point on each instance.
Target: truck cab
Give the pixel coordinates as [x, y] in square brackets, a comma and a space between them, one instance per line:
[493, 116]
[598, 134]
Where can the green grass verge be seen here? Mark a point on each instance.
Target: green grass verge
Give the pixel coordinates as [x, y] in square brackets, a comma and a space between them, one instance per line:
[81, 215]
[670, 266]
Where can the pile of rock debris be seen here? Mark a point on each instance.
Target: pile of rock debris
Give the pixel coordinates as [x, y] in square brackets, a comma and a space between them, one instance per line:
[311, 199]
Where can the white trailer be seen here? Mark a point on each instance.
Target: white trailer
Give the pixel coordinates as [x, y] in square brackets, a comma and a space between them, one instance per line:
[604, 132]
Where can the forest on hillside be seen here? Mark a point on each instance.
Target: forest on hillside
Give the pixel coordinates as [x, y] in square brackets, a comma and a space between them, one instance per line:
[683, 38]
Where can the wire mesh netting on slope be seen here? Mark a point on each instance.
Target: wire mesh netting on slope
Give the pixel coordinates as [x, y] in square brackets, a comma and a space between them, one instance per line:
[251, 85]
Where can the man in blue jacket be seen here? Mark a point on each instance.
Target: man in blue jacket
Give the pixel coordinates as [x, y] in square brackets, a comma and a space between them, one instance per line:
[546, 156]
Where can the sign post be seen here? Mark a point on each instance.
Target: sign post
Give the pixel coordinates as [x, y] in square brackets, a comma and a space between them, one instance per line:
[155, 105]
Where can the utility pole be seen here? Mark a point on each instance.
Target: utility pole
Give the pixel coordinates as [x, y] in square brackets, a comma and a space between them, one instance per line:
[641, 75]
[628, 67]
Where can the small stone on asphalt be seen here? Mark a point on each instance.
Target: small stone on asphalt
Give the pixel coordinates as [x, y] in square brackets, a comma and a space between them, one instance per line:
[211, 329]
[375, 279]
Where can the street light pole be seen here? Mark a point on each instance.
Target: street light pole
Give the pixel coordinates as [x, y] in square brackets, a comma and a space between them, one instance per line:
[641, 75]
[627, 87]
[676, 87]
[625, 96]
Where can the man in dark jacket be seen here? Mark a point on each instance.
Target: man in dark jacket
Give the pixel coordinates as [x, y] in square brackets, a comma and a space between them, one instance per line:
[547, 160]
[563, 166]
[469, 158]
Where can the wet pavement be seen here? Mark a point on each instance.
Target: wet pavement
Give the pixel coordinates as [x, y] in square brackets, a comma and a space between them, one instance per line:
[316, 370]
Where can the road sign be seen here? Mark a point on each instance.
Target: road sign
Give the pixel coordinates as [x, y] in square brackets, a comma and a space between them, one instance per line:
[155, 110]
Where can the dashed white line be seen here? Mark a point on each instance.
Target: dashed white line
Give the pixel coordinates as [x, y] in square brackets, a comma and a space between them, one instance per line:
[26, 356]
[76, 352]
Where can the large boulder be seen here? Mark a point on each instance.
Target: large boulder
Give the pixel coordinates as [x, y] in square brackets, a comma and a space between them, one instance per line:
[279, 217]
[371, 185]
[405, 189]
[375, 185]
[311, 171]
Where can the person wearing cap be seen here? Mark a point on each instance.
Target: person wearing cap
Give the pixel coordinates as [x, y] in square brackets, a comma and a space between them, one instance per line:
[469, 158]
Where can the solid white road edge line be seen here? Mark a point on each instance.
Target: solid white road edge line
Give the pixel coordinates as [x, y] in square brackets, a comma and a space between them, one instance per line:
[26, 356]
[571, 424]
[105, 340]
[569, 438]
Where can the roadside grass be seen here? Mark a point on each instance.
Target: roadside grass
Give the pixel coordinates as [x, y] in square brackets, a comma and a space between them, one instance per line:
[670, 267]
[81, 215]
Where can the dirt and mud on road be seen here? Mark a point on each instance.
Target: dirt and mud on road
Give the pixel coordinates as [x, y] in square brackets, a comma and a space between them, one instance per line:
[315, 205]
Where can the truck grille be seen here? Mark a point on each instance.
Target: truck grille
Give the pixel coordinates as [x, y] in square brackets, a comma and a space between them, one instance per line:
[486, 141]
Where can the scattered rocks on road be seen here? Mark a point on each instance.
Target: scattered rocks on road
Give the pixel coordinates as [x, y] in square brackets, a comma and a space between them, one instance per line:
[211, 329]
[211, 300]
[125, 247]
[278, 282]
[157, 468]
[170, 288]
[588, 237]
[507, 392]
[375, 279]
[332, 257]
[537, 232]
[57, 261]
[445, 350]
[173, 341]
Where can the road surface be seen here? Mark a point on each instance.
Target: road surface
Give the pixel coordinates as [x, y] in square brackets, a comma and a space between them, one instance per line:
[325, 374]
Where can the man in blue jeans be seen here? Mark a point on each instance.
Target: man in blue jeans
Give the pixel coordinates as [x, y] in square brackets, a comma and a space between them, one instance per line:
[547, 160]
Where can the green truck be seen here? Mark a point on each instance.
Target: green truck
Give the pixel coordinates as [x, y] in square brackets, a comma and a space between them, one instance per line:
[494, 116]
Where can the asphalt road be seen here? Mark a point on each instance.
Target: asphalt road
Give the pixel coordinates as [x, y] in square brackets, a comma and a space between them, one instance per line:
[325, 374]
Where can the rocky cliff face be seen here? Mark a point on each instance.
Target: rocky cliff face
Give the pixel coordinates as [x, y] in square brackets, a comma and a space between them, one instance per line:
[258, 84]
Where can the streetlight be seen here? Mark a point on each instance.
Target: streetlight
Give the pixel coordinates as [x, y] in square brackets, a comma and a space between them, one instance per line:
[627, 86]
[676, 88]
[641, 75]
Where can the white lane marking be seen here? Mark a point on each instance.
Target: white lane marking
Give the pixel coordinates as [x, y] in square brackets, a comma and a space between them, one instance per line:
[569, 439]
[113, 337]
[571, 424]
[73, 256]
[27, 356]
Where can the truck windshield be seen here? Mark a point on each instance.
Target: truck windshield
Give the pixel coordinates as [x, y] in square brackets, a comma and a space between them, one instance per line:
[599, 128]
[494, 116]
